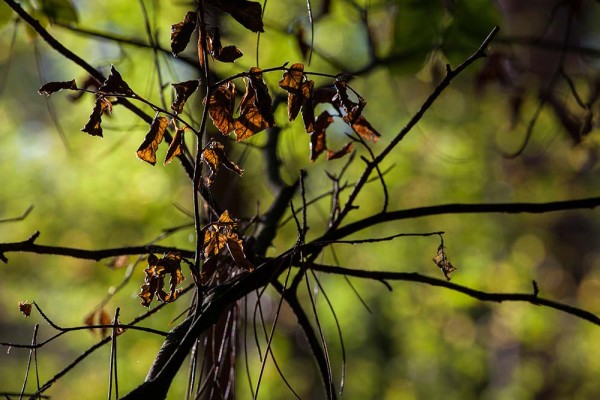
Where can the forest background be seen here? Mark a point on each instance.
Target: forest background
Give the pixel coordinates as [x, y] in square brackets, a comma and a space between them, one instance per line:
[517, 126]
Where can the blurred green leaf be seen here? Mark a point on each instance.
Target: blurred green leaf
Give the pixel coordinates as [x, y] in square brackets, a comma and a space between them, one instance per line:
[59, 11]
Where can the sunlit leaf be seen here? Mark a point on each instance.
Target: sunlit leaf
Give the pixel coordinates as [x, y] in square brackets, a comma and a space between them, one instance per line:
[214, 156]
[115, 84]
[220, 107]
[93, 126]
[175, 146]
[155, 277]
[182, 32]
[442, 262]
[183, 91]
[332, 155]
[255, 107]
[247, 13]
[147, 150]
[213, 242]
[25, 308]
[365, 130]
[292, 78]
[53, 87]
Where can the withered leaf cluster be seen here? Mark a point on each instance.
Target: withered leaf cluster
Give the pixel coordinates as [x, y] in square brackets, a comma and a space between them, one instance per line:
[218, 238]
[154, 281]
[303, 97]
[441, 260]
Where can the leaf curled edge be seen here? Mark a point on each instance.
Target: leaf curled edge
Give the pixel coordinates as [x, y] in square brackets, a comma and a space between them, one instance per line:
[147, 150]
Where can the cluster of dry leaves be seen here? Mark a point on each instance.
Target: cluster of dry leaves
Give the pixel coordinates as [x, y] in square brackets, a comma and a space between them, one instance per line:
[254, 114]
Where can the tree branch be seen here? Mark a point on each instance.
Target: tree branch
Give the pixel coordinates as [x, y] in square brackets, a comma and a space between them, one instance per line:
[477, 294]
[29, 246]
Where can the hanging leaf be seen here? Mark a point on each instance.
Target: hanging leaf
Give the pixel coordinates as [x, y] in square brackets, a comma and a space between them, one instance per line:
[183, 91]
[182, 32]
[175, 146]
[255, 107]
[301, 99]
[442, 262]
[236, 250]
[214, 156]
[332, 155]
[93, 126]
[220, 108]
[292, 78]
[318, 137]
[262, 99]
[365, 130]
[115, 84]
[317, 144]
[147, 150]
[53, 87]
[220, 53]
[247, 13]
[155, 276]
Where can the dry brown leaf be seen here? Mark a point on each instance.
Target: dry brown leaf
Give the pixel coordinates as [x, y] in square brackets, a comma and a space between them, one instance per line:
[175, 146]
[53, 87]
[93, 126]
[332, 155]
[183, 91]
[365, 130]
[182, 32]
[220, 108]
[292, 78]
[115, 84]
[25, 308]
[155, 276]
[247, 13]
[147, 150]
[214, 156]
[443, 263]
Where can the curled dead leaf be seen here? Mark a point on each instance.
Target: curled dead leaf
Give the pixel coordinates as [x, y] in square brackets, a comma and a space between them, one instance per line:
[53, 87]
[181, 33]
[147, 150]
[332, 155]
[441, 260]
[155, 275]
[115, 84]
[93, 126]
[183, 91]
